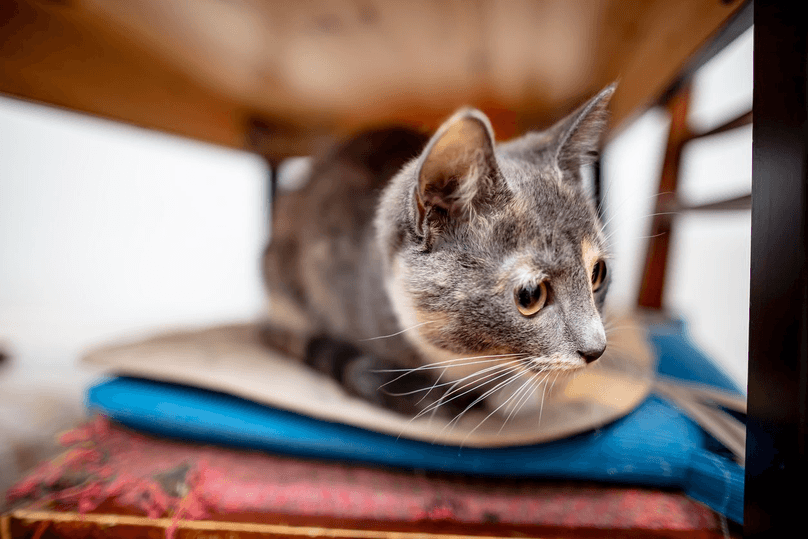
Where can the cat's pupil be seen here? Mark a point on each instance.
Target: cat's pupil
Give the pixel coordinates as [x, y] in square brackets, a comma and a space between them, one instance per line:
[598, 274]
[526, 297]
[530, 299]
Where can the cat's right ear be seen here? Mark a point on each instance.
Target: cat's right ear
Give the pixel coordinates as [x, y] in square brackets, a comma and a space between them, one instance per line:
[456, 171]
[572, 142]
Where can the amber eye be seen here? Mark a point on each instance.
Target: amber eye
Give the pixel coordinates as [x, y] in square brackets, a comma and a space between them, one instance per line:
[530, 299]
[598, 275]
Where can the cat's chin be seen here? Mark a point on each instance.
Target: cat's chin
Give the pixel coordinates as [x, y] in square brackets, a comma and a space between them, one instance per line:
[557, 363]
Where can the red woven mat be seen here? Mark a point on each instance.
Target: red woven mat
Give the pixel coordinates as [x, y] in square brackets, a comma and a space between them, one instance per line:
[106, 464]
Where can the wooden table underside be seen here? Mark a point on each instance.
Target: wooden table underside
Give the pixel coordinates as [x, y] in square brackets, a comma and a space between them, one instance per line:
[282, 78]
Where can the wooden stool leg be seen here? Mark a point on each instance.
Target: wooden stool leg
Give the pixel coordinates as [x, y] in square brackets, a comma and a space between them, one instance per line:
[656, 260]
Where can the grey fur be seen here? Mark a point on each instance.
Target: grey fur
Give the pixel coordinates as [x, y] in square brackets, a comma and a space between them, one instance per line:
[444, 246]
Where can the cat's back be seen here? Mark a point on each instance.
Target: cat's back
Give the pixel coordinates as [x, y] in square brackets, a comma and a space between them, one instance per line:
[342, 189]
[319, 232]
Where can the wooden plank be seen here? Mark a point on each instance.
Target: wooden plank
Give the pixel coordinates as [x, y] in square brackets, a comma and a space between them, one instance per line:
[652, 286]
[740, 203]
[97, 525]
[735, 123]
[50, 54]
[209, 69]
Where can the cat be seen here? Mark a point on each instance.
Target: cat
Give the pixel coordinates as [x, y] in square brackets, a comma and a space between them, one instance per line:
[409, 260]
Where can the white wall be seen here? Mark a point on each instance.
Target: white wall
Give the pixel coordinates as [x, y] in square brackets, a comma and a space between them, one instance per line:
[708, 282]
[107, 229]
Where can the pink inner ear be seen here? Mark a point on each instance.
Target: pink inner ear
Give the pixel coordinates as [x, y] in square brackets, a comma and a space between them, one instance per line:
[458, 155]
[440, 192]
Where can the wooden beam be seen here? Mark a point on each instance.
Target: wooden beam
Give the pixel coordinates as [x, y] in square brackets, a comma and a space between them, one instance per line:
[741, 203]
[206, 69]
[652, 285]
[740, 121]
[50, 53]
[777, 447]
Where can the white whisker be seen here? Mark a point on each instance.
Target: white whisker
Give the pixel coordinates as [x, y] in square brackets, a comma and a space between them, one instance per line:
[505, 371]
[436, 384]
[484, 396]
[499, 370]
[440, 365]
[543, 391]
[521, 400]
[535, 386]
[651, 236]
[558, 373]
[616, 211]
[486, 417]
[398, 332]
[491, 378]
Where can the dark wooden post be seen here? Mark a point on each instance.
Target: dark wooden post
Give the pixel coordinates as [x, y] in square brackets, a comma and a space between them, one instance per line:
[776, 479]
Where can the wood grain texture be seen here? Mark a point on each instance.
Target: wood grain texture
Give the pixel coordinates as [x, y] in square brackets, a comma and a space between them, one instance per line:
[24, 523]
[207, 69]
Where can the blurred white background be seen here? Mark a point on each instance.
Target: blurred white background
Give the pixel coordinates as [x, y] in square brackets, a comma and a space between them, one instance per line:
[708, 279]
[106, 228]
[108, 231]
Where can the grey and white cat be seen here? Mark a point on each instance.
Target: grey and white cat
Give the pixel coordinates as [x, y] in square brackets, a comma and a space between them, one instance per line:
[455, 257]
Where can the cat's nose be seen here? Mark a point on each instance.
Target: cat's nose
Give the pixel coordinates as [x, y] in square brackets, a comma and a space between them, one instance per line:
[592, 354]
[592, 343]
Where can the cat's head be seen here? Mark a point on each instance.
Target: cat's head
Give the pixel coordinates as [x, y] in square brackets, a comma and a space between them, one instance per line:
[497, 249]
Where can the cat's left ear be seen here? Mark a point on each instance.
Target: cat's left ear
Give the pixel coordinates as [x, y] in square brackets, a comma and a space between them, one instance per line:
[457, 169]
[577, 137]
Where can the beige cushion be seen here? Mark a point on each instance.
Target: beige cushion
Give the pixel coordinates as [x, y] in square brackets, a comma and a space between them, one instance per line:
[231, 359]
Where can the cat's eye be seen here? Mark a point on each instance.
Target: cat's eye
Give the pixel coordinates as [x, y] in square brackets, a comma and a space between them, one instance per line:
[598, 275]
[530, 299]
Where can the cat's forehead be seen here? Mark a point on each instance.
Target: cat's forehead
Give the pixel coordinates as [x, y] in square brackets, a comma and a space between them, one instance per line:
[523, 176]
[540, 195]
[545, 220]
[554, 251]
[538, 180]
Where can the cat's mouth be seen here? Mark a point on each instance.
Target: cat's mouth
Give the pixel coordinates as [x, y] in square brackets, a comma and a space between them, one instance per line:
[556, 362]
